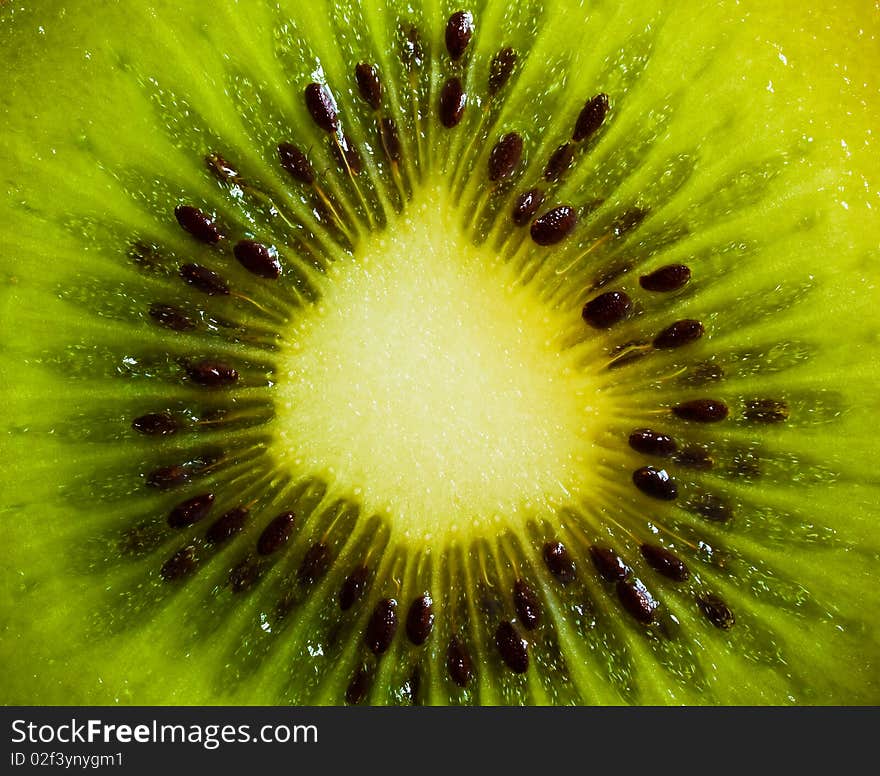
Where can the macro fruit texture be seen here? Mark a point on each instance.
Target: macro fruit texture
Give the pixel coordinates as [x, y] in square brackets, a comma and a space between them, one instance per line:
[378, 352]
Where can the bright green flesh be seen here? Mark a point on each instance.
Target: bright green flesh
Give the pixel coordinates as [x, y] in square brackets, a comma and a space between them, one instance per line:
[751, 129]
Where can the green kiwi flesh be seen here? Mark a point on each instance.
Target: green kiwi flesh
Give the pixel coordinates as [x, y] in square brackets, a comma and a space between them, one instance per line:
[400, 447]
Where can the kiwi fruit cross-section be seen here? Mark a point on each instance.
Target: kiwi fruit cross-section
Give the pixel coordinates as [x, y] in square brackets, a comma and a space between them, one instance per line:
[423, 353]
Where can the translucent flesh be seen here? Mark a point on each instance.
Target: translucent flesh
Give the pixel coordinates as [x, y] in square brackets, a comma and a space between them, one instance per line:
[752, 129]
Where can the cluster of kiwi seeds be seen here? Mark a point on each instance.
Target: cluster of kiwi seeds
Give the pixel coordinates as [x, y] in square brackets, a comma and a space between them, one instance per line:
[507, 612]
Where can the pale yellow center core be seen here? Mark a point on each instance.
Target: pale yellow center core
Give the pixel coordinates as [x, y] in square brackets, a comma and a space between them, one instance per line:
[433, 388]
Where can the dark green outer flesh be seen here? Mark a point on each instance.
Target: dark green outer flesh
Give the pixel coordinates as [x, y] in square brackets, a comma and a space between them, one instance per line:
[784, 165]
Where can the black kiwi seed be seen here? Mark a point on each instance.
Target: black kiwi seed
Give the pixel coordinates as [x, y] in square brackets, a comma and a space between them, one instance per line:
[766, 411]
[320, 106]
[459, 663]
[607, 309]
[591, 117]
[667, 563]
[179, 565]
[197, 223]
[203, 279]
[155, 424]
[369, 84]
[171, 317]
[554, 225]
[276, 534]
[412, 53]
[294, 160]
[608, 563]
[512, 647]
[315, 563]
[701, 410]
[192, 510]
[420, 619]
[358, 687]
[244, 575]
[668, 278]
[695, 457]
[527, 604]
[257, 259]
[711, 507]
[716, 611]
[212, 374]
[636, 599]
[353, 587]
[655, 483]
[560, 161]
[648, 442]
[389, 138]
[505, 156]
[559, 561]
[679, 333]
[346, 153]
[382, 626]
[453, 101]
[526, 206]
[501, 69]
[222, 169]
[227, 525]
[459, 31]
[167, 477]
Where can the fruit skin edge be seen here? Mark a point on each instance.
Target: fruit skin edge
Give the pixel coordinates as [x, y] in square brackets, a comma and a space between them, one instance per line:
[17, 394]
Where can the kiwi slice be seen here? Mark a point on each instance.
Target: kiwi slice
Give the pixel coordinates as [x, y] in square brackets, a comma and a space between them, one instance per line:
[439, 353]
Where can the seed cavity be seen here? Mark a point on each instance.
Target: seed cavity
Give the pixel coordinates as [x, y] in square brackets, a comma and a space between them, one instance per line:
[716, 611]
[276, 534]
[369, 84]
[179, 565]
[411, 51]
[382, 626]
[559, 163]
[315, 564]
[346, 153]
[505, 156]
[591, 117]
[559, 561]
[649, 442]
[203, 279]
[701, 410]
[221, 169]
[512, 647]
[321, 108]
[554, 226]
[527, 604]
[711, 507]
[198, 223]
[353, 588]
[459, 31]
[667, 563]
[636, 599]
[244, 575]
[257, 259]
[608, 563]
[420, 619]
[171, 317]
[766, 411]
[607, 309]
[358, 687]
[227, 525]
[655, 483]
[155, 424]
[212, 374]
[453, 101]
[295, 162]
[459, 663]
[669, 278]
[679, 333]
[191, 511]
[695, 457]
[526, 205]
[167, 477]
[501, 69]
